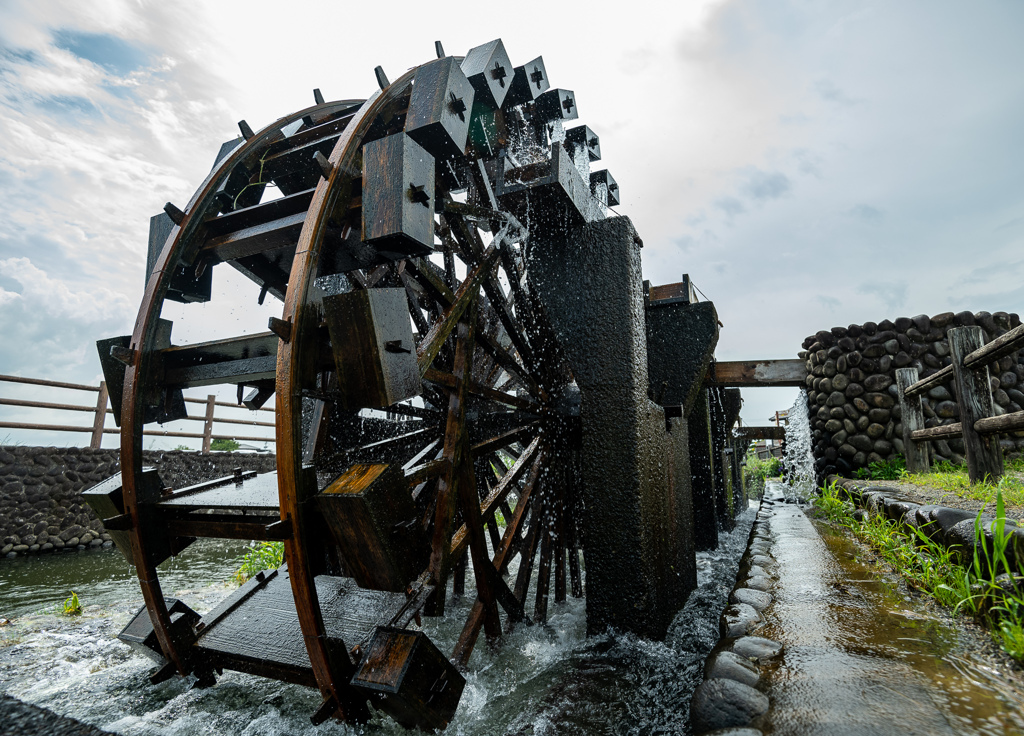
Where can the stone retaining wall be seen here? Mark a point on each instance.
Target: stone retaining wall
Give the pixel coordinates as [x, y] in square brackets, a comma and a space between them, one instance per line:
[851, 386]
[41, 505]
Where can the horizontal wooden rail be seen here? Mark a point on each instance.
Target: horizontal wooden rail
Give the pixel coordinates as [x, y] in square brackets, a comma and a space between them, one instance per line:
[760, 433]
[935, 379]
[998, 425]
[45, 382]
[1006, 344]
[102, 408]
[115, 430]
[49, 405]
[944, 432]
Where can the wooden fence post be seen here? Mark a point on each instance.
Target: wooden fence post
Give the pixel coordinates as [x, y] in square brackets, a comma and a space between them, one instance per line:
[208, 426]
[101, 417]
[974, 395]
[918, 454]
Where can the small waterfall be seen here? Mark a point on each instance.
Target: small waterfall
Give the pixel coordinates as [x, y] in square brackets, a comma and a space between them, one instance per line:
[799, 459]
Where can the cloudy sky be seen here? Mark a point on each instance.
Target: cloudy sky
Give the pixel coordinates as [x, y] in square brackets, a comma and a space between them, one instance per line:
[809, 164]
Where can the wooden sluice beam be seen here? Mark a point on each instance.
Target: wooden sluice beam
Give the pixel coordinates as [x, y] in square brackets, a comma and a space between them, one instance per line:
[760, 433]
[750, 373]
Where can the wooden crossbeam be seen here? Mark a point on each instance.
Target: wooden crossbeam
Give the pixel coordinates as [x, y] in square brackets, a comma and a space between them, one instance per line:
[761, 433]
[749, 373]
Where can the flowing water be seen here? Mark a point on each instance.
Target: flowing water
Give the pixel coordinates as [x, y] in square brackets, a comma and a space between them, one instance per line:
[799, 457]
[862, 658]
[542, 679]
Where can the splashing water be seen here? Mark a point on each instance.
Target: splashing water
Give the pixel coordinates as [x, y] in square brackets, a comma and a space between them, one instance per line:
[799, 457]
[542, 679]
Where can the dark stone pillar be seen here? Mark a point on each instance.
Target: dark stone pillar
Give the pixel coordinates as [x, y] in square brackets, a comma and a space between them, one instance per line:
[683, 562]
[702, 484]
[718, 444]
[589, 280]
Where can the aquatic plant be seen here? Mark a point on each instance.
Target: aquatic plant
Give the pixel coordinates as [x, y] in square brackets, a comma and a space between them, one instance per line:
[71, 606]
[263, 556]
[980, 589]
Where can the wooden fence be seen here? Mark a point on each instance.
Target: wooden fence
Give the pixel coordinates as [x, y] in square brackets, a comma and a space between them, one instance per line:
[978, 424]
[101, 408]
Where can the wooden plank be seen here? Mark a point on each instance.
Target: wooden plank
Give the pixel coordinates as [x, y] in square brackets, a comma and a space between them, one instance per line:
[44, 382]
[759, 373]
[1006, 344]
[431, 343]
[222, 526]
[974, 396]
[761, 433]
[912, 418]
[100, 418]
[936, 379]
[1000, 425]
[500, 492]
[944, 432]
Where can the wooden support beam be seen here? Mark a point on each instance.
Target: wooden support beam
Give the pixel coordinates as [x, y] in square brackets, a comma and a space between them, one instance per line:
[748, 373]
[1006, 344]
[1000, 425]
[935, 379]
[100, 418]
[912, 413]
[761, 433]
[974, 395]
[944, 432]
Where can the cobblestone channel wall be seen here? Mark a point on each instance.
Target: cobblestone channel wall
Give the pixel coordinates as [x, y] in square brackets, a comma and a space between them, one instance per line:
[41, 505]
[851, 386]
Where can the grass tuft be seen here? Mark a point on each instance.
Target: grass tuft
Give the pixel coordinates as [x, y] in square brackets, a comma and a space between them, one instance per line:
[978, 589]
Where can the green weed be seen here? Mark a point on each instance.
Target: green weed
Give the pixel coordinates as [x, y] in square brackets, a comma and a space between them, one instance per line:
[263, 556]
[71, 606]
[894, 468]
[954, 479]
[977, 589]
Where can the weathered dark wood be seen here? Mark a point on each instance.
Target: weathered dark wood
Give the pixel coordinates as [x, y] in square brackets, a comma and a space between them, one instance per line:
[759, 373]
[974, 396]
[943, 432]
[761, 433]
[936, 379]
[372, 344]
[364, 508]
[1006, 344]
[431, 343]
[1013, 422]
[912, 417]
[500, 492]
[398, 196]
[410, 679]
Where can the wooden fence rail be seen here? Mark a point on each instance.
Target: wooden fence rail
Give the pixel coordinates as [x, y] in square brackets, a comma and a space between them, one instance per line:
[102, 407]
[978, 425]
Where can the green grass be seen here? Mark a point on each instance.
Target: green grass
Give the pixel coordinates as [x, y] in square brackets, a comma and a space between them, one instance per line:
[264, 556]
[953, 478]
[895, 468]
[973, 589]
[757, 471]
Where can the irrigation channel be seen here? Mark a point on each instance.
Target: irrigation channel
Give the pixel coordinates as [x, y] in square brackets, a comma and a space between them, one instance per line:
[859, 658]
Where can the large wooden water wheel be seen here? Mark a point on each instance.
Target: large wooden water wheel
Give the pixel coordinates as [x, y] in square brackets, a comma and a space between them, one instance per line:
[427, 420]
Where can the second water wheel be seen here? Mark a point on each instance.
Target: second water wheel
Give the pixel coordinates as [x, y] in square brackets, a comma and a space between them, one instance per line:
[427, 418]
